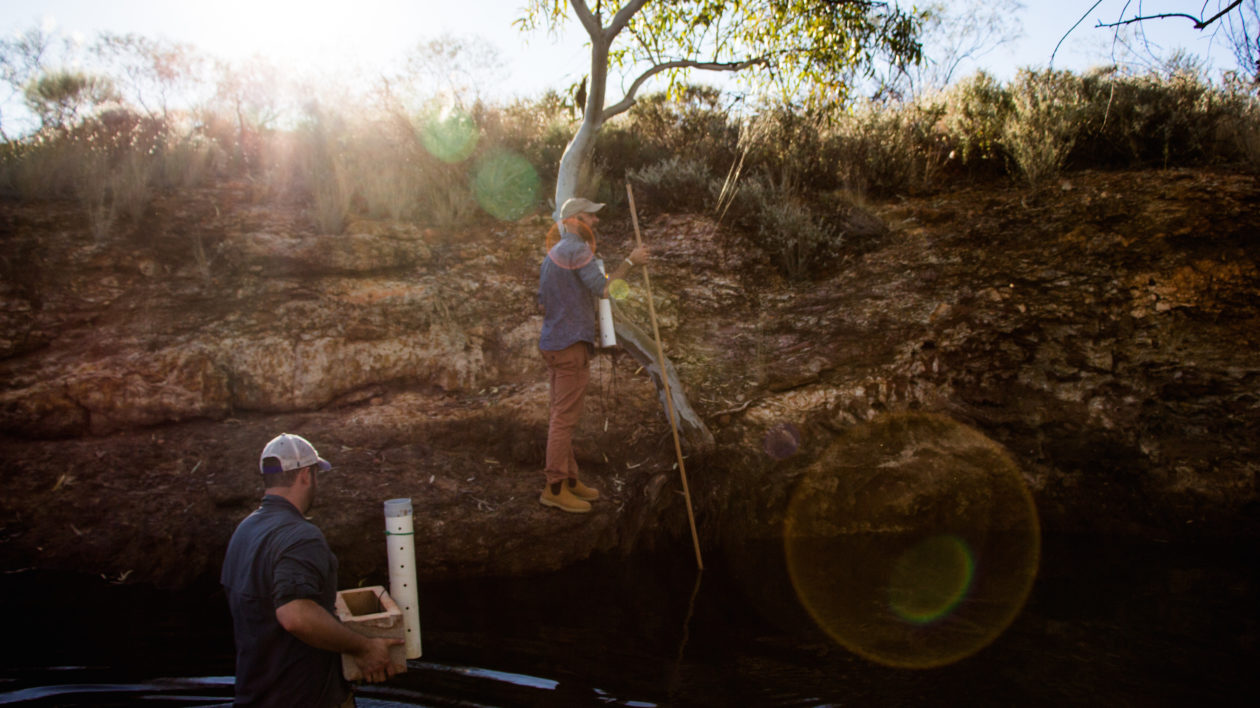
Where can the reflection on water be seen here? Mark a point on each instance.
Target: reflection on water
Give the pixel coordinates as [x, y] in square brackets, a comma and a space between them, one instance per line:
[187, 691]
[1107, 623]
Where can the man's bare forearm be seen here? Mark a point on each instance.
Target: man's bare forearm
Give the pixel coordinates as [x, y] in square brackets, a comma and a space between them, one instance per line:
[314, 625]
[307, 621]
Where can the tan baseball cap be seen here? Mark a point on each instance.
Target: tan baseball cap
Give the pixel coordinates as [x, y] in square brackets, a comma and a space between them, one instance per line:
[577, 205]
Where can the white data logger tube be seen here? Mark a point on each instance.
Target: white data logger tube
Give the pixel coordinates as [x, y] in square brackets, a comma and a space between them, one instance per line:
[607, 332]
[401, 546]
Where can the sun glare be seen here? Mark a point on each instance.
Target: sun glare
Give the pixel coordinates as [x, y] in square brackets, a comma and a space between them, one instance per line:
[317, 35]
[311, 36]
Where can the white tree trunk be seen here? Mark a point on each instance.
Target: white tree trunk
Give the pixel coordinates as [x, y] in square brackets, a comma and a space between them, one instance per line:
[576, 155]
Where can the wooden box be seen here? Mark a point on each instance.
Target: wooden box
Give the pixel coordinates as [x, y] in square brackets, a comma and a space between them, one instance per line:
[371, 612]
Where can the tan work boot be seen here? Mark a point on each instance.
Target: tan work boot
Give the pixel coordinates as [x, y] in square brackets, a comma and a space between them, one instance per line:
[581, 491]
[564, 500]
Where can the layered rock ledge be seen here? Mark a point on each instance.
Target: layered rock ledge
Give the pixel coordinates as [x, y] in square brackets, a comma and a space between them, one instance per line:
[1103, 332]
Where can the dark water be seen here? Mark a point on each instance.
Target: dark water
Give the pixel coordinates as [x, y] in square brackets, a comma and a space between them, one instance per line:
[1108, 623]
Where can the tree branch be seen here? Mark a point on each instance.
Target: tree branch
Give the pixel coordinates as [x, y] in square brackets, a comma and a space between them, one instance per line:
[1065, 34]
[1198, 23]
[626, 103]
[1221, 14]
[622, 18]
[587, 18]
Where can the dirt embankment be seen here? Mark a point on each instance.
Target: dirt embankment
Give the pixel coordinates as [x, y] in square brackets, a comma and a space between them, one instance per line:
[1103, 331]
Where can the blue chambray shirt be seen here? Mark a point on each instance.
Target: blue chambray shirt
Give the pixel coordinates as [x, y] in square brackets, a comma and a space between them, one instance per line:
[567, 280]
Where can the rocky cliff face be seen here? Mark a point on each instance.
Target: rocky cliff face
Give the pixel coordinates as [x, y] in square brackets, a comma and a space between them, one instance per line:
[1103, 332]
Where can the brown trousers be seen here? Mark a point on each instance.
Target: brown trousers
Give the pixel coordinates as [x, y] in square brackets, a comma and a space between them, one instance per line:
[569, 370]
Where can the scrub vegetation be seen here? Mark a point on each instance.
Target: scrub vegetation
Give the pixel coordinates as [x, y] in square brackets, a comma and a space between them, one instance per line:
[788, 179]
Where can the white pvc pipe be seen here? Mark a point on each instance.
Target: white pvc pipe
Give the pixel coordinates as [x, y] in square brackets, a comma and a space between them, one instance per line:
[400, 544]
[607, 333]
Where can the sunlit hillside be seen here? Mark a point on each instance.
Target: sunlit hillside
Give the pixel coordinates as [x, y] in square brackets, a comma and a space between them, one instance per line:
[150, 117]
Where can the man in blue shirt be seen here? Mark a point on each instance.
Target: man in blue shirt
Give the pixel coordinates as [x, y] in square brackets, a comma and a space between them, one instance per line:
[281, 583]
[569, 280]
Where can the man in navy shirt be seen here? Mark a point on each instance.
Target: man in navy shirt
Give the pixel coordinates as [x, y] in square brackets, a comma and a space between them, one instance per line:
[281, 583]
[569, 280]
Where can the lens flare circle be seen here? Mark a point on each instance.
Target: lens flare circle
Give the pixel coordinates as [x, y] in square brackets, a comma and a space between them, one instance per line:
[505, 185]
[930, 579]
[449, 134]
[570, 258]
[782, 441]
[912, 540]
[618, 289]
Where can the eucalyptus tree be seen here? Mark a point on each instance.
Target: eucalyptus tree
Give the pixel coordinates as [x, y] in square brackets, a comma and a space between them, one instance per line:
[253, 91]
[22, 58]
[804, 49]
[150, 73]
[63, 98]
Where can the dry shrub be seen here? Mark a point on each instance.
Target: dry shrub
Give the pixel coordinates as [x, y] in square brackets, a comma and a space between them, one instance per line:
[381, 171]
[113, 161]
[974, 111]
[890, 149]
[778, 221]
[112, 153]
[1245, 135]
[675, 184]
[380, 161]
[793, 147]
[41, 167]
[1236, 130]
[322, 160]
[445, 198]
[330, 198]
[1044, 123]
[114, 189]
[692, 124]
[1146, 120]
[190, 161]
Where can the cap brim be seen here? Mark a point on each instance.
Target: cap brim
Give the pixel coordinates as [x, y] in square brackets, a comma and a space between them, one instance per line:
[586, 207]
[324, 465]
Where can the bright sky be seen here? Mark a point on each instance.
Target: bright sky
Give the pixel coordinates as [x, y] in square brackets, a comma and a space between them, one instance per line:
[1046, 22]
[318, 34]
[375, 35]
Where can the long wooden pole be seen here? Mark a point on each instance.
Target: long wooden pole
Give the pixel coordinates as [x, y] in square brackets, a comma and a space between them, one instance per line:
[669, 397]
